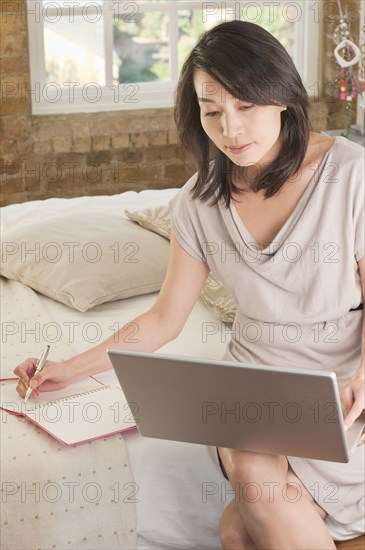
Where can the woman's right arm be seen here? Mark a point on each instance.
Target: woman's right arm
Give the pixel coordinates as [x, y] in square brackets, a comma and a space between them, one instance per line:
[184, 280]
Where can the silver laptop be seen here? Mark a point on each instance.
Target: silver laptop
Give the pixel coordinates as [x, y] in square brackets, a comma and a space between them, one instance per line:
[258, 408]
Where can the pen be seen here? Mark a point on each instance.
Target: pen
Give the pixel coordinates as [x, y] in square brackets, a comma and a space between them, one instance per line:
[38, 367]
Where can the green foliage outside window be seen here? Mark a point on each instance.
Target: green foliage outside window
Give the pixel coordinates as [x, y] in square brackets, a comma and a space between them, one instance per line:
[143, 45]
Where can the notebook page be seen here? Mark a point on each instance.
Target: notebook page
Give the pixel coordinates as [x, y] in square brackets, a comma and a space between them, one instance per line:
[11, 401]
[87, 411]
[82, 417]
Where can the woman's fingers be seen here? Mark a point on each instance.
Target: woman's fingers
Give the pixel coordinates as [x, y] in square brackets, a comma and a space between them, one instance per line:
[52, 377]
[352, 400]
[21, 388]
[25, 372]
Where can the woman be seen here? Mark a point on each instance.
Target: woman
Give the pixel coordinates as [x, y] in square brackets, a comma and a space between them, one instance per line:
[283, 207]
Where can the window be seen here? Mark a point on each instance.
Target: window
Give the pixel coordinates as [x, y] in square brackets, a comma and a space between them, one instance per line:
[104, 55]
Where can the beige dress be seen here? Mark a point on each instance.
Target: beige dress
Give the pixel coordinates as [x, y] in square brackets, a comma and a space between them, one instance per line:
[294, 297]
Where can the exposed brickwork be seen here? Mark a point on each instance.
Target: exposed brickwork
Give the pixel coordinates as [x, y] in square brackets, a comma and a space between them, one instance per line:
[71, 155]
[88, 154]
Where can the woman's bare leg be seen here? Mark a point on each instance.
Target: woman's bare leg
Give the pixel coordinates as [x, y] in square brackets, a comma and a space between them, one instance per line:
[277, 510]
[232, 530]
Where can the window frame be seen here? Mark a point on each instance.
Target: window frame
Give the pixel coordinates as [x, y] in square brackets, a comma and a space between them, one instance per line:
[46, 98]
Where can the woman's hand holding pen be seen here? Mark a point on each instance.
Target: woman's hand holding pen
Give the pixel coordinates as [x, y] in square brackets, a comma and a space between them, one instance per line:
[54, 376]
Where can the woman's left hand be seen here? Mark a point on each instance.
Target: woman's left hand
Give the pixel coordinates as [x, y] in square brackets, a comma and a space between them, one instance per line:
[353, 400]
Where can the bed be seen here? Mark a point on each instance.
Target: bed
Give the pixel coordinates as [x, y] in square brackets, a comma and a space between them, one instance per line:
[122, 491]
[74, 271]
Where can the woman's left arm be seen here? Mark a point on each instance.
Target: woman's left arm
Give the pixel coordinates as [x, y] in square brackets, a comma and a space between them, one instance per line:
[353, 394]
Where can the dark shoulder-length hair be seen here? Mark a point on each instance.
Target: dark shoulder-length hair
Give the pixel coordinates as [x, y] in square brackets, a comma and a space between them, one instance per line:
[252, 66]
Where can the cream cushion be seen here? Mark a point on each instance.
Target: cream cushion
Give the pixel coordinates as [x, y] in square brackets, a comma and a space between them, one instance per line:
[214, 295]
[85, 259]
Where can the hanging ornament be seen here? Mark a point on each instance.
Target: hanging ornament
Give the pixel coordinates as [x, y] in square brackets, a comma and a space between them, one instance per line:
[347, 55]
[349, 47]
[343, 89]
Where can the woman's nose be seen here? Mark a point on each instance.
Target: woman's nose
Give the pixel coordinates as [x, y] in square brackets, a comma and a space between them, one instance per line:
[231, 125]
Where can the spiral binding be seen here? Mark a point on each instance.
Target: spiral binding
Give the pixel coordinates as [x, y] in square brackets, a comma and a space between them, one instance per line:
[38, 405]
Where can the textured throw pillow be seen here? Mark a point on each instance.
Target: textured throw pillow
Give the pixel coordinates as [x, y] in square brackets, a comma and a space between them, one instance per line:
[214, 295]
[86, 259]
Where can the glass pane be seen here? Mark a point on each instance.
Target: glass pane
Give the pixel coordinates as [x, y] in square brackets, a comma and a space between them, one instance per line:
[142, 47]
[74, 51]
[191, 25]
[274, 18]
[280, 22]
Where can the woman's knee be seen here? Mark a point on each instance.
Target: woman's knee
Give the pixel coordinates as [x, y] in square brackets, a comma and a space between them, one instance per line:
[247, 466]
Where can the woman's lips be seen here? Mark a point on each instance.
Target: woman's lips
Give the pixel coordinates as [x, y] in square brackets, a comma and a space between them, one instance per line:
[237, 149]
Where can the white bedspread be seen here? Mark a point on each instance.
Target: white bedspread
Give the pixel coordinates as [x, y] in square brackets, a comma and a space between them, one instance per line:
[55, 496]
[176, 489]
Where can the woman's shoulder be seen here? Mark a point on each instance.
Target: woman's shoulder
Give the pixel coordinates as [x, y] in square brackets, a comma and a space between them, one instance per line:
[186, 195]
[188, 208]
[348, 159]
[343, 154]
[319, 144]
[183, 205]
[350, 149]
[189, 185]
[346, 152]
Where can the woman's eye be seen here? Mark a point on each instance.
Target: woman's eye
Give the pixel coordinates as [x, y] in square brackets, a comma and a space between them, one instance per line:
[246, 107]
[211, 113]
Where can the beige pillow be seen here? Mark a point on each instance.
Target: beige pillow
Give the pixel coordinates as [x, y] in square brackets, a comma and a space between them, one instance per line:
[214, 295]
[86, 259]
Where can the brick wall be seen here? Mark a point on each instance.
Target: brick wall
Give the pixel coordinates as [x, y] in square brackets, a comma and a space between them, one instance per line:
[88, 154]
[72, 155]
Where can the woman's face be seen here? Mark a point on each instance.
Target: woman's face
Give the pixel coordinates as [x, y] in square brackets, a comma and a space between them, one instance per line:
[247, 133]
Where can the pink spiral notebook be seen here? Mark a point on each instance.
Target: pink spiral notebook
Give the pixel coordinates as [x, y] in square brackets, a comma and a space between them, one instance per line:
[82, 412]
